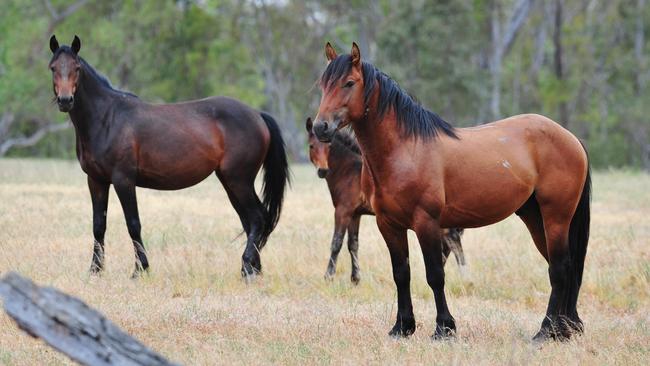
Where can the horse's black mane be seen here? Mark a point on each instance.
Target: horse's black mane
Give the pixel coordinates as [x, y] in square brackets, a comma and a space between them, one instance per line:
[412, 118]
[347, 141]
[103, 80]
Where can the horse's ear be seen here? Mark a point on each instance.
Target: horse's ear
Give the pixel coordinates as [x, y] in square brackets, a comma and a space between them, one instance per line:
[76, 45]
[356, 55]
[54, 44]
[330, 53]
[308, 124]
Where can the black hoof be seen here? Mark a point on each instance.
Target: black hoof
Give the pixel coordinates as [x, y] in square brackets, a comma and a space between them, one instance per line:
[445, 329]
[250, 271]
[543, 336]
[561, 329]
[95, 269]
[355, 278]
[575, 325]
[329, 275]
[443, 333]
[402, 328]
[139, 273]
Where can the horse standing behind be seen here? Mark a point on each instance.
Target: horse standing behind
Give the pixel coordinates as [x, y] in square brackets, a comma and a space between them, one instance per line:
[427, 175]
[126, 142]
[340, 163]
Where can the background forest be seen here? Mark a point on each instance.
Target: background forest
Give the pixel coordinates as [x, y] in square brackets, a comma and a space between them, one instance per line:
[583, 63]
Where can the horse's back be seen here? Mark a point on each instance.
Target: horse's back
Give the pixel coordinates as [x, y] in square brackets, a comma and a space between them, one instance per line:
[180, 144]
[492, 169]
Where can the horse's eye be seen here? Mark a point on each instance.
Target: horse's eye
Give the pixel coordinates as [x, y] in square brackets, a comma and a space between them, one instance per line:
[349, 84]
[311, 146]
[52, 68]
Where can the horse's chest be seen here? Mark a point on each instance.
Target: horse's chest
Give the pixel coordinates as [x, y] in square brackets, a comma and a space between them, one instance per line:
[92, 167]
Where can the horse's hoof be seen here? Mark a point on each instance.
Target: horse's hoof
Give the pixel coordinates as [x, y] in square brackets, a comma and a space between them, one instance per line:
[403, 329]
[329, 276]
[95, 270]
[355, 278]
[139, 273]
[542, 337]
[249, 273]
[443, 333]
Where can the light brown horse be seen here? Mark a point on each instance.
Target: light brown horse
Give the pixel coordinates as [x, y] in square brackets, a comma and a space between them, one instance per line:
[427, 175]
[339, 163]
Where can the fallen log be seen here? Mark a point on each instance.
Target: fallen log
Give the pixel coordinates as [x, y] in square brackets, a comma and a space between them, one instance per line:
[72, 327]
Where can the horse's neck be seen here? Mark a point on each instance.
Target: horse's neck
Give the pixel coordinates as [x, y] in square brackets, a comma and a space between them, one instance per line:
[341, 157]
[378, 140]
[91, 107]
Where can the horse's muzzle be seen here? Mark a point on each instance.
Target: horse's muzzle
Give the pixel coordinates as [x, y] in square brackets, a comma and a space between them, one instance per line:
[65, 103]
[324, 130]
[322, 173]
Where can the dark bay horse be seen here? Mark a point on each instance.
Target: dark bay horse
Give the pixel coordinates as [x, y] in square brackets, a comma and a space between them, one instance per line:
[340, 164]
[126, 142]
[427, 175]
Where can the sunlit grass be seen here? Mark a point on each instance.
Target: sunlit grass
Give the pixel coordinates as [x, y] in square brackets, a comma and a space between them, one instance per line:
[194, 307]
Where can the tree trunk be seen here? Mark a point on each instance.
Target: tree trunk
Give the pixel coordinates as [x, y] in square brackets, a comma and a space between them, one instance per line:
[639, 44]
[497, 59]
[72, 327]
[502, 41]
[563, 110]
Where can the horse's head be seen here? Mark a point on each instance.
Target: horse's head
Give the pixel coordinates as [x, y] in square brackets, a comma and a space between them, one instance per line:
[343, 97]
[319, 152]
[65, 66]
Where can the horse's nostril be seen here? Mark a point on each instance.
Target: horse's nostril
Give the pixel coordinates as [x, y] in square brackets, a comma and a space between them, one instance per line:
[325, 125]
[65, 100]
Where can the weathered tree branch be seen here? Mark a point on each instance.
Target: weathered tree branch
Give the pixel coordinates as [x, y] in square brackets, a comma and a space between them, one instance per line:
[6, 120]
[33, 139]
[71, 326]
[59, 17]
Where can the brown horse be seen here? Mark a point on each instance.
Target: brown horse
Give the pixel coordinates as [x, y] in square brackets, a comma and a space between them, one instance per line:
[124, 141]
[427, 175]
[340, 163]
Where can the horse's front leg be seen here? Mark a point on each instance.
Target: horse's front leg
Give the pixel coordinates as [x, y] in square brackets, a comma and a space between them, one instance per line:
[397, 243]
[125, 189]
[99, 198]
[341, 220]
[353, 247]
[430, 237]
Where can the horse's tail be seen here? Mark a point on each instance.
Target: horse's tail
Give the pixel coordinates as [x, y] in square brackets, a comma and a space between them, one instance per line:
[276, 177]
[579, 238]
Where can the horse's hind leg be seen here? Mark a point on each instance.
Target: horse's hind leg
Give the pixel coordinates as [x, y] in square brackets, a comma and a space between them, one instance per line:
[452, 243]
[561, 318]
[530, 214]
[126, 193]
[251, 212]
[353, 247]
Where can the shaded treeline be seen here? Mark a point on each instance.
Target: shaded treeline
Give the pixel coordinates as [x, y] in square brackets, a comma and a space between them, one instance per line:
[581, 62]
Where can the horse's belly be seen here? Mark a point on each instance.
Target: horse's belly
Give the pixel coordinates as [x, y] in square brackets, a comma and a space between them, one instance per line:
[174, 176]
[484, 206]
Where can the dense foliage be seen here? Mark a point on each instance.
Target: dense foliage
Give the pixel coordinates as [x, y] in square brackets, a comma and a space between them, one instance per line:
[581, 62]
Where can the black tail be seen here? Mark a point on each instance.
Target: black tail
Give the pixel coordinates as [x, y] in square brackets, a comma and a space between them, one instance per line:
[578, 240]
[276, 177]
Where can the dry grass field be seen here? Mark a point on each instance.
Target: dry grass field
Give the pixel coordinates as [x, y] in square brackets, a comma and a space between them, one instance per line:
[195, 309]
